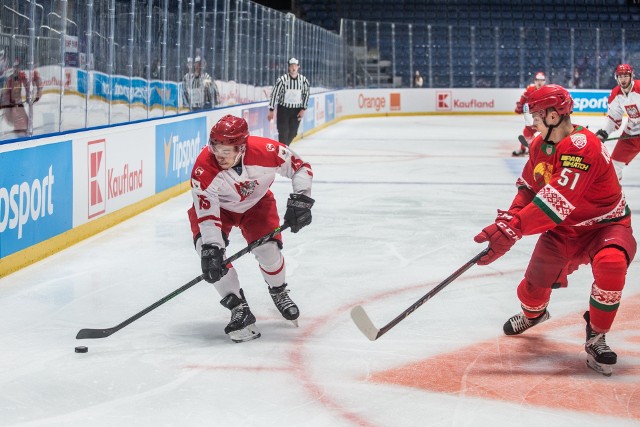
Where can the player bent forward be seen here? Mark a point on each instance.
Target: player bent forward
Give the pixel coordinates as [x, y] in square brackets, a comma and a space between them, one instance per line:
[230, 186]
[569, 194]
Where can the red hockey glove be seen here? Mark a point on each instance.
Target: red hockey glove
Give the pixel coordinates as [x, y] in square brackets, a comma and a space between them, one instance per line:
[519, 108]
[505, 216]
[501, 236]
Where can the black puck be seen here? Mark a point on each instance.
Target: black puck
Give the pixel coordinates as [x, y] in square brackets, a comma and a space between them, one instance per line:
[81, 349]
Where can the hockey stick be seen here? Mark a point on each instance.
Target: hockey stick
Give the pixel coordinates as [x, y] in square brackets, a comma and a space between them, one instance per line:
[366, 326]
[523, 141]
[103, 333]
[621, 137]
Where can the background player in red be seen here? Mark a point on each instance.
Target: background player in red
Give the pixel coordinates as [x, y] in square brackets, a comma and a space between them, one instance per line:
[623, 99]
[569, 194]
[230, 186]
[529, 131]
[11, 101]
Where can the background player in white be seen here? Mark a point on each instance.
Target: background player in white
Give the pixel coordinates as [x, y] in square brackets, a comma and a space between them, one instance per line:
[569, 194]
[624, 98]
[230, 186]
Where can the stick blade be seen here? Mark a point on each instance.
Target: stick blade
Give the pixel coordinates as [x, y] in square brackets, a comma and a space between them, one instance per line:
[94, 333]
[364, 323]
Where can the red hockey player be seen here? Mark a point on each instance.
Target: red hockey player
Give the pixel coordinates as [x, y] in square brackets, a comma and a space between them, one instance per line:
[569, 194]
[624, 98]
[529, 131]
[11, 101]
[230, 186]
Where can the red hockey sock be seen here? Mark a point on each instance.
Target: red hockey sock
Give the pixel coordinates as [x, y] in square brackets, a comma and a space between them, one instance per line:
[533, 299]
[609, 270]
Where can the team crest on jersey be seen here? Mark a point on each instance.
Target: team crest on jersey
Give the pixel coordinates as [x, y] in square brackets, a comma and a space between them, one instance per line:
[246, 188]
[271, 147]
[542, 173]
[548, 149]
[579, 140]
[199, 171]
[632, 111]
[574, 162]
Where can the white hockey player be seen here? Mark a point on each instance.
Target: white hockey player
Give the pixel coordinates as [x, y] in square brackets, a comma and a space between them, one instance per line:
[230, 185]
[624, 99]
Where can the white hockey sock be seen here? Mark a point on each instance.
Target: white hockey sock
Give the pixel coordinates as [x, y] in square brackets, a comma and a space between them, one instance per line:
[272, 264]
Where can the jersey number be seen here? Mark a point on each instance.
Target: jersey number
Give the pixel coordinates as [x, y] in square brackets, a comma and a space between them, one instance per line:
[204, 203]
[569, 176]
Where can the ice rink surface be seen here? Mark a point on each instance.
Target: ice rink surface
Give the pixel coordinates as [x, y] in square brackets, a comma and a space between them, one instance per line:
[398, 201]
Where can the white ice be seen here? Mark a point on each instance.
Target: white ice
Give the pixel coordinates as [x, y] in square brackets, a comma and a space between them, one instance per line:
[398, 201]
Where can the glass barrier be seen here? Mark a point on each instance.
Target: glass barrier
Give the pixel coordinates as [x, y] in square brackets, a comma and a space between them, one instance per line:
[383, 54]
[68, 65]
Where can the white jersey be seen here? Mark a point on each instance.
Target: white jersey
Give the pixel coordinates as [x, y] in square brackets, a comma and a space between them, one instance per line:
[214, 189]
[621, 104]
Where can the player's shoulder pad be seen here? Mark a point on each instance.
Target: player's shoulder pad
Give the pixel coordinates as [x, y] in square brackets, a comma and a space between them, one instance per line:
[204, 170]
[636, 86]
[614, 92]
[264, 152]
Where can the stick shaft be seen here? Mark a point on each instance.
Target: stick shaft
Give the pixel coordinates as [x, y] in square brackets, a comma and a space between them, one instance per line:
[366, 326]
[103, 333]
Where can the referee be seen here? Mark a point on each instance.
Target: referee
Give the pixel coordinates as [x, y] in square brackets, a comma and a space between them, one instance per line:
[291, 96]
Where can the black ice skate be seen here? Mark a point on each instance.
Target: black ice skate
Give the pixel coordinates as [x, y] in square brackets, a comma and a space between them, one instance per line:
[242, 326]
[285, 306]
[600, 357]
[520, 323]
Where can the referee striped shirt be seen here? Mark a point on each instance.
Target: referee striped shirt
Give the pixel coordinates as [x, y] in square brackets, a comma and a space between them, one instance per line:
[290, 93]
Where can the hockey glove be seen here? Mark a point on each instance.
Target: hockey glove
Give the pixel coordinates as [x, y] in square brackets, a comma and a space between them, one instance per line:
[505, 216]
[298, 212]
[519, 108]
[501, 237]
[602, 134]
[212, 261]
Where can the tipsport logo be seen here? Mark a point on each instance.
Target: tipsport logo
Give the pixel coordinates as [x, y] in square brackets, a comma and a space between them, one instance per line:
[590, 101]
[178, 145]
[97, 173]
[36, 195]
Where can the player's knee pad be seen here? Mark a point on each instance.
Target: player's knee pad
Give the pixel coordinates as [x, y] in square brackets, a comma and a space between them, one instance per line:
[268, 255]
[609, 268]
[534, 299]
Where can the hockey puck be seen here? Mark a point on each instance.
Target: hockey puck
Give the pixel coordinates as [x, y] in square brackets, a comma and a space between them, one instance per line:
[81, 349]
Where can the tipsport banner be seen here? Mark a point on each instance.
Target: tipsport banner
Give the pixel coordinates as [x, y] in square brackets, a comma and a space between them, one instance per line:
[36, 195]
[125, 90]
[178, 144]
[585, 101]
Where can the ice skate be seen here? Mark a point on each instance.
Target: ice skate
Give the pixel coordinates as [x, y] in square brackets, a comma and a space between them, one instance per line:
[284, 304]
[519, 323]
[242, 326]
[600, 357]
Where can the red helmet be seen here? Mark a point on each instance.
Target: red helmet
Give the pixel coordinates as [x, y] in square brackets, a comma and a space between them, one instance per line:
[230, 130]
[550, 96]
[540, 76]
[624, 69]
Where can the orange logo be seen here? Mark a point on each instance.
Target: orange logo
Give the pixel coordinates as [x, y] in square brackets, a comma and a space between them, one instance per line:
[394, 102]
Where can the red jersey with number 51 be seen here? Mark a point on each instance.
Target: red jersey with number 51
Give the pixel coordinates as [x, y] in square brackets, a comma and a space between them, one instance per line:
[570, 186]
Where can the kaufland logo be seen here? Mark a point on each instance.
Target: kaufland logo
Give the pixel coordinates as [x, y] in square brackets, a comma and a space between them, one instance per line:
[443, 100]
[97, 173]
